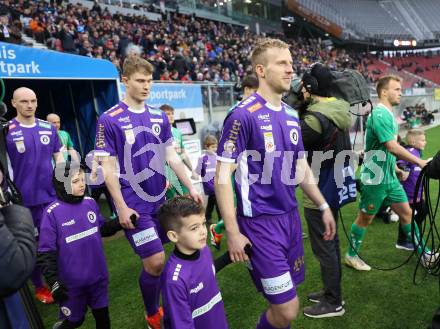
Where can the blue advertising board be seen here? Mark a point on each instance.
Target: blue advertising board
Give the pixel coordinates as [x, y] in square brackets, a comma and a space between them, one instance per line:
[185, 98]
[25, 62]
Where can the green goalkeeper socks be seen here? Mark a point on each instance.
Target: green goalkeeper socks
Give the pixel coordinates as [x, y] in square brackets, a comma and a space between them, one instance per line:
[420, 246]
[219, 227]
[356, 236]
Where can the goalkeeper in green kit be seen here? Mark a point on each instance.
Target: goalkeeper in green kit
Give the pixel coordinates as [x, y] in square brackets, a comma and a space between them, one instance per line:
[379, 175]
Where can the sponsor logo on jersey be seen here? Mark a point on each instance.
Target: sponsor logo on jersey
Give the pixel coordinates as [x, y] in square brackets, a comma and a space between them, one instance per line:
[124, 119]
[264, 117]
[298, 264]
[21, 138]
[292, 123]
[45, 132]
[116, 112]
[91, 216]
[254, 107]
[229, 146]
[16, 133]
[12, 126]
[81, 235]
[247, 101]
[208, 306]
[156, 129]
[269, 142]
[100, 138]
[129, 136]
[196, 289]
[145, 236]
[154, 111]
[130, 126]
[69, 223]
[45, 124]
[44, 139]
[277, 285]
[267, 127]
[292, 113]
[158, 120]
[294, 136]
[176, 272]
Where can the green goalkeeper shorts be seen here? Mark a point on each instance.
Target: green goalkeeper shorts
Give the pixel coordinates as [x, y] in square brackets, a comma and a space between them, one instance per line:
[374, 196]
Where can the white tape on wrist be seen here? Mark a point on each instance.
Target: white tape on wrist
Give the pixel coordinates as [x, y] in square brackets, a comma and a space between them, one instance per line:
[324, 206]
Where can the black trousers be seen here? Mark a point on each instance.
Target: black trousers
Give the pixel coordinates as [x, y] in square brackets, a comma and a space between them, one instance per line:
[212, 202]
[328, 254]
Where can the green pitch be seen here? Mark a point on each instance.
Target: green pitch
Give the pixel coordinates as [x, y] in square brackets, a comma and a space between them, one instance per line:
[374, 300]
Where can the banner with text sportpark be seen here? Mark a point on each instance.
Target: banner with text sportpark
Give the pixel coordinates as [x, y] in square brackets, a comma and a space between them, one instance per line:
[25, 62]
[185, 98]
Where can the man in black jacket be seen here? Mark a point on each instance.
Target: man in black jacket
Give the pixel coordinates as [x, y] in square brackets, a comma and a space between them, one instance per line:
[324, 127]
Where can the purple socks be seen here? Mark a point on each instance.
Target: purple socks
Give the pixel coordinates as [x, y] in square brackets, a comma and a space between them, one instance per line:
[150, 289]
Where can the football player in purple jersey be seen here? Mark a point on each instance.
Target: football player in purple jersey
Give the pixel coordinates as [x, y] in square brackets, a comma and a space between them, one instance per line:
[261, 142]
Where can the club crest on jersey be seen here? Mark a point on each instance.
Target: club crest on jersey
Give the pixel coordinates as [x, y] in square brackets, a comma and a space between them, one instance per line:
[156, 129]
[66, 311]
[269, 143]
[293, 136]
[91, 216]
[129, 136]
[44, 139]
[20, 146]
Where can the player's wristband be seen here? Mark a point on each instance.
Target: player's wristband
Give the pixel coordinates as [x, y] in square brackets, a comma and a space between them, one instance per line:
[324, 206]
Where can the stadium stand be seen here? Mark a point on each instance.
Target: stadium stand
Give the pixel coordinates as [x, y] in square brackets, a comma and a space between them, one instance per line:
[189, 48]
[385, 19]
[427, 66]
[181, 47]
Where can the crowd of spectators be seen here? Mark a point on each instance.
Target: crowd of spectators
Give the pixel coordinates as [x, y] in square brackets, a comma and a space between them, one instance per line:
[181, 47]
[418, 115]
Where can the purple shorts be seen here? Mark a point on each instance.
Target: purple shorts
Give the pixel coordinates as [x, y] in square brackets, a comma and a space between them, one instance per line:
[147, 238]
[277, 262]
[95, 296]
[37, 215]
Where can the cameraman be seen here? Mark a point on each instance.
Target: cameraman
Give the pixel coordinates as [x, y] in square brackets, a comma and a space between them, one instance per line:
[324, 124]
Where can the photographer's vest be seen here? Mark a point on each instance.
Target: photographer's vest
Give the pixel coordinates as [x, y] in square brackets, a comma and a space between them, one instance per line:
[337, 184]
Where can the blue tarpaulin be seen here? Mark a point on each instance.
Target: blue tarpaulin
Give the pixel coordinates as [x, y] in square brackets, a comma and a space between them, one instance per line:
[77, 88]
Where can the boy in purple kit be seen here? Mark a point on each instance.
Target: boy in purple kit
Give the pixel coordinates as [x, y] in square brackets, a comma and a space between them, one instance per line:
[191, 297]
[71, 253]
[206, 169]
[261, 140]
[133, 142]
[416, 142]
[32, 144]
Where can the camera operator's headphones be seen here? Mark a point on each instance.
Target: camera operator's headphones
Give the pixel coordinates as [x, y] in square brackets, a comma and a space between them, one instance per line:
[310, 79]
[310, 83]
